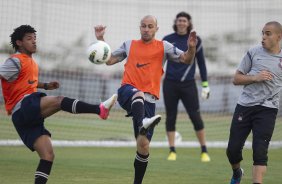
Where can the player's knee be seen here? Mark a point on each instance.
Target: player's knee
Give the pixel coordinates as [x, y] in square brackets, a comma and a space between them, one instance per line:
[143, 147]
[48, 155]
[198, 126]
[196, 120]
[260, 154]
[234, 155]
[138, 94]
[59, 100]
[170, 126]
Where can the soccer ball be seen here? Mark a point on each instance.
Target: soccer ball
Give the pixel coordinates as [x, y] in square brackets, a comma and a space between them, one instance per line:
[99, 52]
[177, 137]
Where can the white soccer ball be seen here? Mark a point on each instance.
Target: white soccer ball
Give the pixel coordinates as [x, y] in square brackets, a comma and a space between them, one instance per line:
[99, 52]
[177, 137]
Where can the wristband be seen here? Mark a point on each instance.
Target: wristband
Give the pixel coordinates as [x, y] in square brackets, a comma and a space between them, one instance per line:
[205, 84]
[45, 86]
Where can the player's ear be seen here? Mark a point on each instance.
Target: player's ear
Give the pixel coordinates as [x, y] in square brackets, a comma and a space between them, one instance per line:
[157, 28]
[19, 43]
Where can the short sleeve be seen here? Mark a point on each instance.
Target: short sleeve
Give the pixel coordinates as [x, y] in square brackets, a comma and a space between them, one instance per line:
[172, 53]
[246, 63]
[121, 52]
[10, 69]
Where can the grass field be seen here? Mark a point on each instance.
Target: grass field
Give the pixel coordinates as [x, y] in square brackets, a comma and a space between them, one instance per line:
[115, 166]
[64, 126]
[94, 165]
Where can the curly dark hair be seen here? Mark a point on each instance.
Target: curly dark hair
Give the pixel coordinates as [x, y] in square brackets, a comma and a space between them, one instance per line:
[19, 33]
[188, 17]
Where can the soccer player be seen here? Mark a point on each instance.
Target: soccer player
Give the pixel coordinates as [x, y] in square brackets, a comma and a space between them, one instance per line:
[29, 108]
[260, 71]
[179, 84]
[141, 81]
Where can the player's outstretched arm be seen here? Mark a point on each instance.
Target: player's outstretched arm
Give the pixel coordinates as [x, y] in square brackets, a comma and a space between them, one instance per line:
[49, 86]
[99, 33]
[188, 56]
[243, 79]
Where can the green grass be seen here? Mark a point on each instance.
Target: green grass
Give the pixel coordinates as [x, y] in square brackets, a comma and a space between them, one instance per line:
[115, 166]
[64, 126]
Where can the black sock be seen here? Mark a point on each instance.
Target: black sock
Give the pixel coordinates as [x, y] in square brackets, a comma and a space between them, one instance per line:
[75, 106]
[137, 109]
[237, 173]
[172, 149]
[256, 183]
[42, 172]
[204, 149]
[140, 165]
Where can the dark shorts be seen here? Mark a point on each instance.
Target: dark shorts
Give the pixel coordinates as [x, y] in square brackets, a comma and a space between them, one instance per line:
[260, 121]
[125, 94]
[28, 120]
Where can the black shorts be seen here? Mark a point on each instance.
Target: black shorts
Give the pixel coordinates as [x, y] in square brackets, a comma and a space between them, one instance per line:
[28, 120]
[258, 119]
[125, 94]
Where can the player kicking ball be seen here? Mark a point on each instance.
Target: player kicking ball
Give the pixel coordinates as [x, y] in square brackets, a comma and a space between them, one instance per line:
[29, 108]
[140, 86]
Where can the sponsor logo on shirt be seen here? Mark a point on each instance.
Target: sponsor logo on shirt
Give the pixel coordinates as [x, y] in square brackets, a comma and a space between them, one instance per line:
[31, 81]
[141, 65]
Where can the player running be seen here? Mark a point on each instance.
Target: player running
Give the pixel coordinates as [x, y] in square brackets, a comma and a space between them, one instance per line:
[260, 72]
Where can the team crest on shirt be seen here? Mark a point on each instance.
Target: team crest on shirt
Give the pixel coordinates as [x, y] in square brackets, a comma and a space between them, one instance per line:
[240, 117]
[280, 64]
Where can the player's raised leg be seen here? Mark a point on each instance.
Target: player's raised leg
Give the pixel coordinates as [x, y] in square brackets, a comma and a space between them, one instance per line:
[52, 104]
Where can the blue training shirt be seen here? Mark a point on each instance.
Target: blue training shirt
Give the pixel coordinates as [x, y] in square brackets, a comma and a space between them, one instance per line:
[180, 71]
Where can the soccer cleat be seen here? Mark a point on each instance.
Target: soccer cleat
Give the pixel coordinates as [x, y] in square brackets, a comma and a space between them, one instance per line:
[149, 123]
[172, 156]
[205, 157]
[106, 106]
[238, 180]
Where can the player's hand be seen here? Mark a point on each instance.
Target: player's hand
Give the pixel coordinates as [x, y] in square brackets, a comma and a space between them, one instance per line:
[192, 40]
[53, 85]
[100, 31]
[263, 76]
[205, 93]
[205, 90]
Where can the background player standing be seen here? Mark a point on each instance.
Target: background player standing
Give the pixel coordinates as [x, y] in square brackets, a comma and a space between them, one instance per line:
[179, 84]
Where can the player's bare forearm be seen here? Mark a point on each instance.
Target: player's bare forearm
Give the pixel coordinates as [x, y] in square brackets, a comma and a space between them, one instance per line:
[48, 86]
[188, 56]
[242, 79]
[40, 85]
[113, 60]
